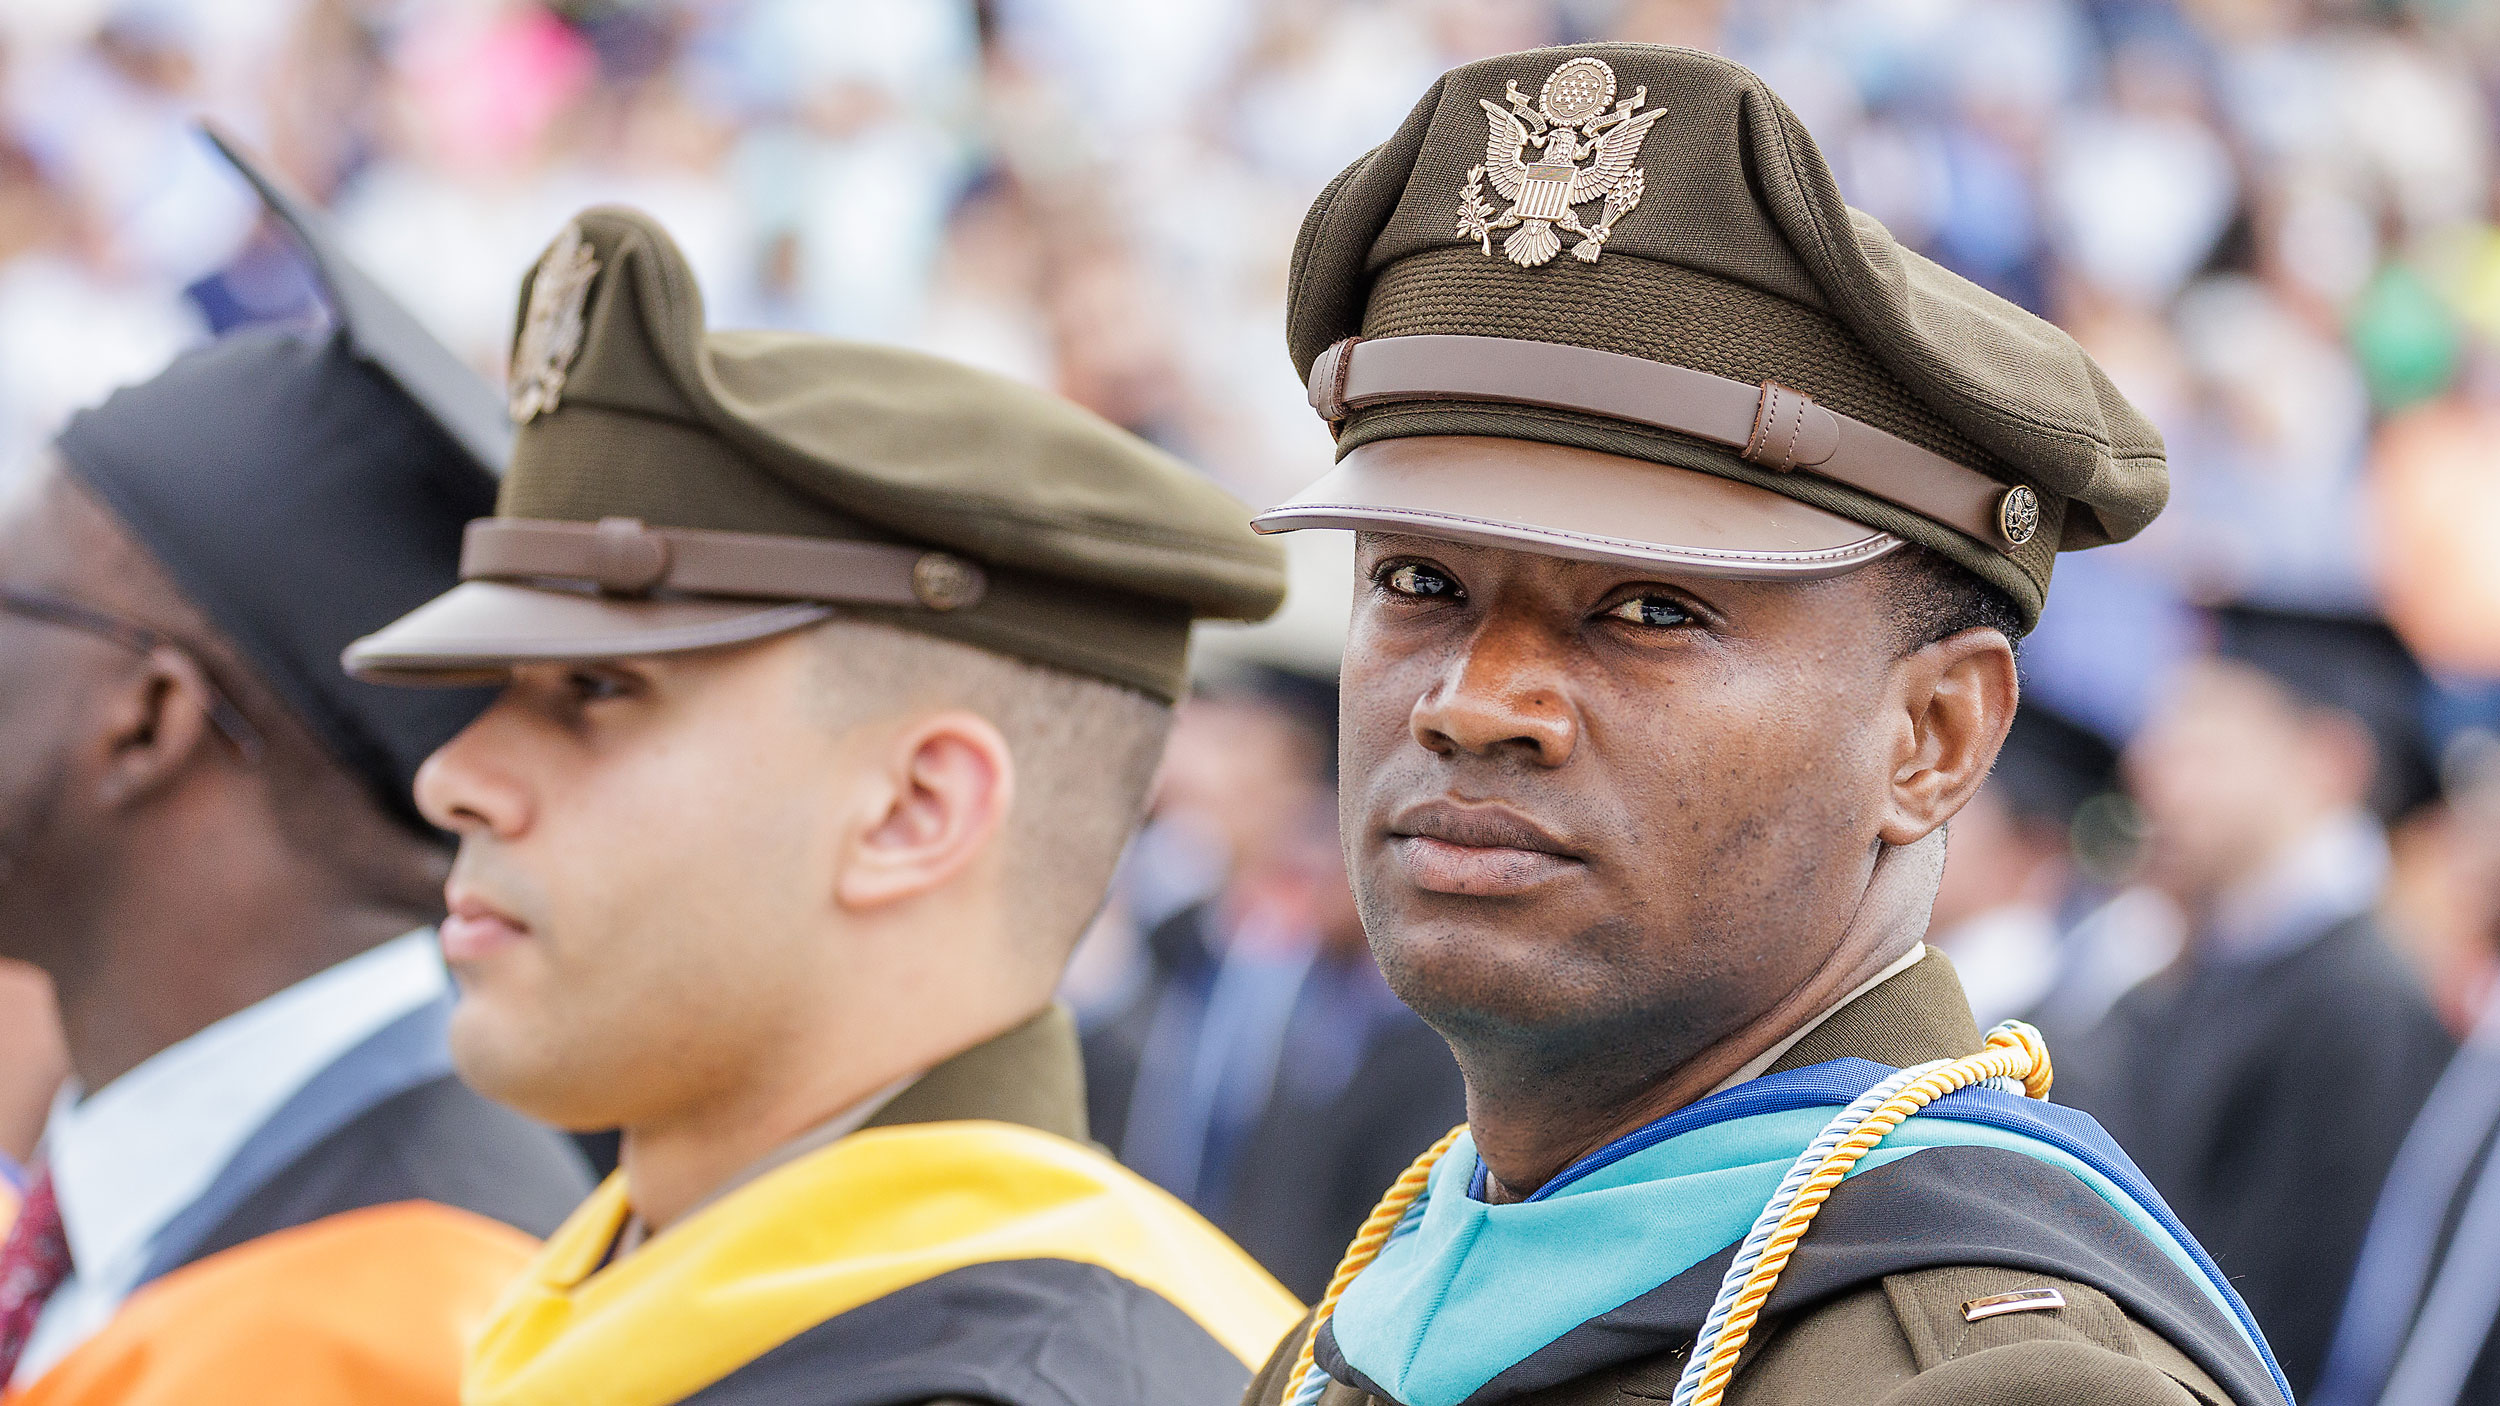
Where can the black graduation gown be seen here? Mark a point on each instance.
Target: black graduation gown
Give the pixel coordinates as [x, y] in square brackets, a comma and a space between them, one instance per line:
[344, 1251]
[2419, 1323]
[388, 1121]
[2265, 1099]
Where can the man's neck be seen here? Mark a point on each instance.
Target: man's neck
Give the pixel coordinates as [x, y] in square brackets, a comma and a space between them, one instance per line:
[160, 965]
[1526, 1139]
[717, 1141]
[666, 1186]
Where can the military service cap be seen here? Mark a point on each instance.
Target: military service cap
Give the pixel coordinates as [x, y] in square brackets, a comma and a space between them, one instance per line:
[1605, 301]
[675, 489]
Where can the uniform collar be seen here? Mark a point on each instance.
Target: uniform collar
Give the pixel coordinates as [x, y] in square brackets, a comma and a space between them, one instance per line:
[1914, 1016]
[1032, 1075]
[1761, 1064]
[841, 1125]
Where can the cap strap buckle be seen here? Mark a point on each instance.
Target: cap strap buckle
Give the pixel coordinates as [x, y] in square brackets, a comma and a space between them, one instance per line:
[1790, 431]
[627, 558]
[1327, 387]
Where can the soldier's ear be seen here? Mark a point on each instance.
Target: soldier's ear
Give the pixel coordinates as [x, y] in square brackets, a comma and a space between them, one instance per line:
[946, 786]
[1956, 698]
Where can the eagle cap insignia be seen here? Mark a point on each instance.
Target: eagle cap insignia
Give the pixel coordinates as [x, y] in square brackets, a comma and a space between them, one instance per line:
[1572, 145]
[551, 330]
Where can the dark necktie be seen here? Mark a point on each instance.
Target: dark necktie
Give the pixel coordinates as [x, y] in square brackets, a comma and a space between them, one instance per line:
[33, 1262]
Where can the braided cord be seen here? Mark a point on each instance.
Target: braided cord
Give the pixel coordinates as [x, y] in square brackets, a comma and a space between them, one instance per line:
[2014, 1051]
[1378, 1228]
[1749, 1252]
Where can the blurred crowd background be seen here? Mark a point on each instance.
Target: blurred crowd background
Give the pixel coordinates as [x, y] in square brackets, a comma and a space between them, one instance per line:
[2276, 222]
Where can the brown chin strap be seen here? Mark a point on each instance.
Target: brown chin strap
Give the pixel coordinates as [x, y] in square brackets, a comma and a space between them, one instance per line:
[623, 557]
[1769, 424]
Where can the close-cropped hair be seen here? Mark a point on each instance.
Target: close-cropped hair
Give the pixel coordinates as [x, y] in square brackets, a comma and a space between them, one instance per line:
[1935, 598]
[1085, 751]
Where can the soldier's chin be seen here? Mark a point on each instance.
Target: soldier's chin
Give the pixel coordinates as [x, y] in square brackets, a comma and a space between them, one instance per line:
[512, 1061]
[1488, 982]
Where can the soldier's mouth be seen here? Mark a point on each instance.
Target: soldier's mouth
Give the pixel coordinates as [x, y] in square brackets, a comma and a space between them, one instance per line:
[475, 929]
[1481, 851]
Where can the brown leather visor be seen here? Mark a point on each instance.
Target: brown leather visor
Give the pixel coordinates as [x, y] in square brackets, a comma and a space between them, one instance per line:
[1578, 503]
[477, 630]
[537, 591]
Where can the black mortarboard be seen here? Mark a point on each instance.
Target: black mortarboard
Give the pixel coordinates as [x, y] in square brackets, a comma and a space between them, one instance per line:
[2352, 663]
[304, 487]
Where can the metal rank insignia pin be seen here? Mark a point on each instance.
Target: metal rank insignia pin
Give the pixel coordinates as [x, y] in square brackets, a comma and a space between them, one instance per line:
[2019, 1301]
[1573, 145]
[2018, 514]
[551, 331]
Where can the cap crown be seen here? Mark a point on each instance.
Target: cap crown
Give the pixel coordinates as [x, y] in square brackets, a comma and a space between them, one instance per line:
[1727, 249]
[1101, 548]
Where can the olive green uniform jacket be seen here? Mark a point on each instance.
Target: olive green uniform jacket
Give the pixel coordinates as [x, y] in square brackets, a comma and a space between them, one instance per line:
[1903, 1342]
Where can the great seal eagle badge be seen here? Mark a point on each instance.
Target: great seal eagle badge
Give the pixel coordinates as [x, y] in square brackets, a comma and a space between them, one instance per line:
[551, 331]
[1584, 144]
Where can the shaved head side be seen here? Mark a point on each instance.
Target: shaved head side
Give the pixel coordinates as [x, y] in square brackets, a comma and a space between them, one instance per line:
[1085, 752]
[84, 552]
[1934, 598]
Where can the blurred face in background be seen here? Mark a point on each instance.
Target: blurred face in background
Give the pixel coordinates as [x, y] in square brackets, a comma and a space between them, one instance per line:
[2231, 770]
[1241, 771]
[1300, 885]
[1320, 862]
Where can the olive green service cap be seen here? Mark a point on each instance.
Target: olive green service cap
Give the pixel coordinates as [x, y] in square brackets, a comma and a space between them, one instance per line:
[1605, 301]
[675, 489]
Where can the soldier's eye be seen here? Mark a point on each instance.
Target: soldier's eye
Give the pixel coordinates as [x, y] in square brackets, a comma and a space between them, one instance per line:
[1660, 611]
[595, 685]
[1413, 578]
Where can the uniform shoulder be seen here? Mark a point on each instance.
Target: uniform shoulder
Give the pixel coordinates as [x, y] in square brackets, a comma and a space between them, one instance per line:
[1904, 1342]
[1912, 1339]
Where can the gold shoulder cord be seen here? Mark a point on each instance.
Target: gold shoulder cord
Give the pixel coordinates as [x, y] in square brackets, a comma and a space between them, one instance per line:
[2014, 1051]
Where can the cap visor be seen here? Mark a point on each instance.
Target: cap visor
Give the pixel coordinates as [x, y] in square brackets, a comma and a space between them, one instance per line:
[475, 631]
[1551, 498]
